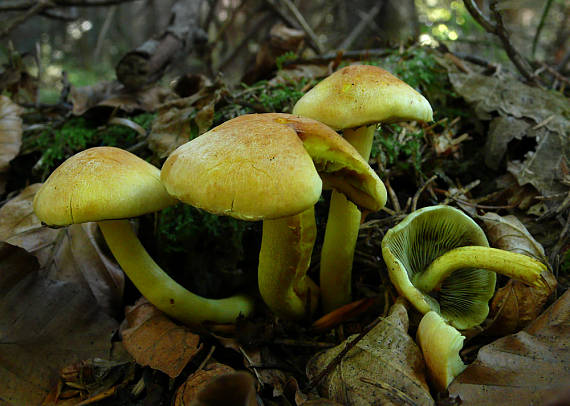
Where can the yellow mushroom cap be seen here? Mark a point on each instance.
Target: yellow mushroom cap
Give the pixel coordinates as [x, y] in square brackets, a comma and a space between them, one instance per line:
[359, 95]
[100, 183]
[440, 344]
[265, 166]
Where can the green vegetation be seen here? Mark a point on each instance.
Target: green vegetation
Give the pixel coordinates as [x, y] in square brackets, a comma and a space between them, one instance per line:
[77, 134]
[182, 226]
[396, 147]
[262, 97]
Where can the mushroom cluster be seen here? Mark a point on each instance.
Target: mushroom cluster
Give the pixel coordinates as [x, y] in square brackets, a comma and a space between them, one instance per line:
[109, 185]
[354, 99]
[272, 167]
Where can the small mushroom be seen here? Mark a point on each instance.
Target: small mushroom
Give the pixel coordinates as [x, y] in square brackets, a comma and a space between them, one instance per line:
[109, 185]
[439, 259]
[440, 344]
[354, 99]
[271, 167]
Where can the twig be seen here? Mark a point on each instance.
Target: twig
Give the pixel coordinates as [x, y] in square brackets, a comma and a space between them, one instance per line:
[37, 8]
[500, 31]
[370, 16]
[103, 33]
[304, 25]
[349, 346]
[21, 6]
[313, 43]
[419, 192]
[540, 25]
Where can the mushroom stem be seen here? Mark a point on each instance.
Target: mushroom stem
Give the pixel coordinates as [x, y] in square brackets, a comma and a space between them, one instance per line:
[284, 258]
[341, 234]
[160, 289]
[511, 264]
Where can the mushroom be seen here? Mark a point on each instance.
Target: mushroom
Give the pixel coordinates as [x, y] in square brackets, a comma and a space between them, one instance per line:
[354, 99]
[440, 344]
[439, 259]
[271, 167]
[109, 185]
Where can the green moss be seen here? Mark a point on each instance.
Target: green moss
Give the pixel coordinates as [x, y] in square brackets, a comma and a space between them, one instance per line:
[403, 152]
[182, 226]
[59, 142]
[262, 97]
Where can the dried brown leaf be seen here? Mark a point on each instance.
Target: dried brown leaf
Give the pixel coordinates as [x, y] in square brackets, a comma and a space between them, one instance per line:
[155, 340]
[180, 120]
[72, 254]
[384, 367]
[516, 304]
[44, 326]
[509, 234]
[114, 95]
[236, 388]
[10, 136]
[197, 381]
[527, 368]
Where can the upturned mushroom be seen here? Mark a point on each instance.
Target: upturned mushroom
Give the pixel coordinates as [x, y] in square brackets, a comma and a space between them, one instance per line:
[439, 259]
[109, 185]
[440, 344]
[271, 167]
[354, 99]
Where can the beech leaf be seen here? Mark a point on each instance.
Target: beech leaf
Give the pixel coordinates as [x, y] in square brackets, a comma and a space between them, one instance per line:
[385, 366]
[527, 368]
[44, 326]
[73, 254]
[154, 340]
[10, 136]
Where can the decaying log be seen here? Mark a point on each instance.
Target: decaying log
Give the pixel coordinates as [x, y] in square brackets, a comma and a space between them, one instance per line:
[147, 63]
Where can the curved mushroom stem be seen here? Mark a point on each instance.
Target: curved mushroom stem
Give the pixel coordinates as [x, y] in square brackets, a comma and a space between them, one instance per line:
[284, 258]
[511, 264]
[341, 234]
[160, 289]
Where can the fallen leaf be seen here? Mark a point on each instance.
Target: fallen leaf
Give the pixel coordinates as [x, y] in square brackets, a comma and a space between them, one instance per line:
[155, 340]
[10, 136]
[236, 389]
[384, 367]
[44, 326]
[181, 120]
[197, 381]
[527, 368]
[112, 95]
[516, 304]
[72, 254]
[509, 234]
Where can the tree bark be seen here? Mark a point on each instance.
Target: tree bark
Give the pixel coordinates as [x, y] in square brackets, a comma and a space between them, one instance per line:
[147, 63]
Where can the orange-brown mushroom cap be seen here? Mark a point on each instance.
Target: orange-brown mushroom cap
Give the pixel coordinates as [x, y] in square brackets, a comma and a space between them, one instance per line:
[359, 95]
[266, 166]
[100, 183]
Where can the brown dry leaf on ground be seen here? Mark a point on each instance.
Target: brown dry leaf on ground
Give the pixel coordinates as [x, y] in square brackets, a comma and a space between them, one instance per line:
[235, 388]
[197, 381]
[384, 367]
[527, 368]
[10, 136]
[114, 95]
[180, 120]
[71, 254]
[523, 111]
[155, 340]
[516, 304]
[44, 326]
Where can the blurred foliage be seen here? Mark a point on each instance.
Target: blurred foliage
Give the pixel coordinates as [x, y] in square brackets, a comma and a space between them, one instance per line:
[398, 148]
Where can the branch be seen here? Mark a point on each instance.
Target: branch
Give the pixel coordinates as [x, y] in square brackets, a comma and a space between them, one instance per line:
[500, 31]
[26, 5]
[37, 8]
